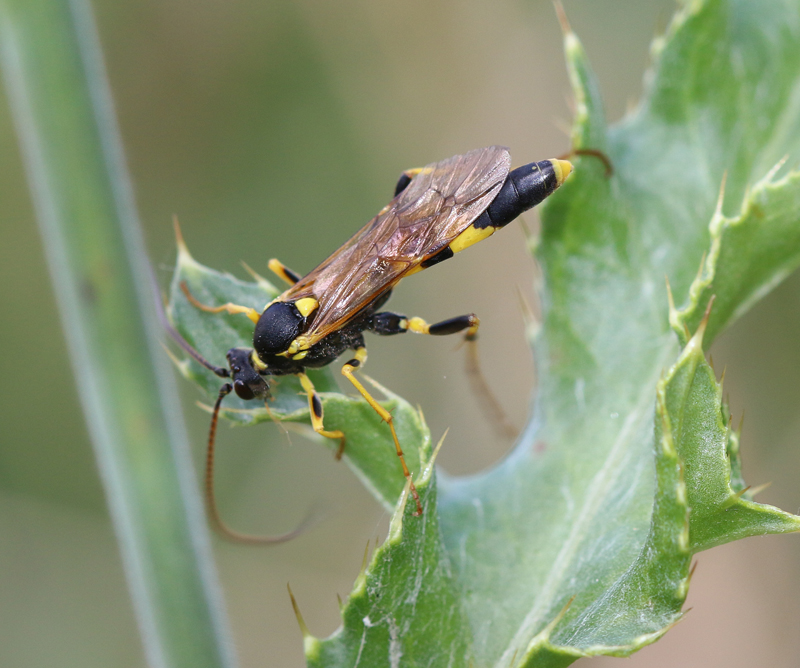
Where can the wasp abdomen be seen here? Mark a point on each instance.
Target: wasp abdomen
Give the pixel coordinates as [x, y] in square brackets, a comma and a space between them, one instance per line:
[523, 189]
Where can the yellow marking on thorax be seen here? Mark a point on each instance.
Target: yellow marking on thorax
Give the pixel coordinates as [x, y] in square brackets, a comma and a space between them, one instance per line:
[470, 236]
[306, 306]
[296, 346]
[300, 355]
[255, 360]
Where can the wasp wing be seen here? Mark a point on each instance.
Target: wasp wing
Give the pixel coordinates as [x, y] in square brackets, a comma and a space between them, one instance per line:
[441, 201]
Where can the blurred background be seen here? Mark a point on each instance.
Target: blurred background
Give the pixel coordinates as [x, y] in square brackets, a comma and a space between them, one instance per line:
[276, 129]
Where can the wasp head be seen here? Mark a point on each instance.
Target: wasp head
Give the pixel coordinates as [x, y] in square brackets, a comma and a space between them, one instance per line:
[247, 382]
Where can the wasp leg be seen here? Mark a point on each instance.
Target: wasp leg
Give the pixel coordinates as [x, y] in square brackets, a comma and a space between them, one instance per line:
[283, 272]
[347, 371]
[392, 323]
[315, 407]
[233, 309]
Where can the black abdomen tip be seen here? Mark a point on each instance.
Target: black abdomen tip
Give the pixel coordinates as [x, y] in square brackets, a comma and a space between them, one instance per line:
[524, 188]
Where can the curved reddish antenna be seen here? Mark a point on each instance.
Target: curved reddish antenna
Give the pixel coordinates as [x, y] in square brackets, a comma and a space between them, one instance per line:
[211, 504]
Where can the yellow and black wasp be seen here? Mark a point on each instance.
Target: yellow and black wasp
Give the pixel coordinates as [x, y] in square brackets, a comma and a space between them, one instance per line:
[437, 211]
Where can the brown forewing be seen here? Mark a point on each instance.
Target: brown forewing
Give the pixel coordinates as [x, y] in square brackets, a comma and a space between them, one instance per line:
[438, 204]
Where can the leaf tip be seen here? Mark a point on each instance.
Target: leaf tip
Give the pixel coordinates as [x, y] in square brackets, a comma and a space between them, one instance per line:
[396, 525]
[299, 616]
[775, 169]
[185, 259]
[697, 339]
[426, 472]
[566, 28]
[361, 579]
[721, 195]
[734, 498]
[179, 240]
[758, 489]
[262, 282]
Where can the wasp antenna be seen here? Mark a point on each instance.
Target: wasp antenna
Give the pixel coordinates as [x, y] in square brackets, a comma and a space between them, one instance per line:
[211, 502]
[163, 320]
[222, 372]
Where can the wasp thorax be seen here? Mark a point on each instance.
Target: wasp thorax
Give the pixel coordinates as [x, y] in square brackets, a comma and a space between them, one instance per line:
[247, 383]
[277, 327]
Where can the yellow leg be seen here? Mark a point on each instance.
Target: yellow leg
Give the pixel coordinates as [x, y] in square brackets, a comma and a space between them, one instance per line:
[347, 371]
[283, 272]
[233, 309]
[315, 407]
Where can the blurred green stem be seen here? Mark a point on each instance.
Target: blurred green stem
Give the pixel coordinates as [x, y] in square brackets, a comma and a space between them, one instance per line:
[70, 144]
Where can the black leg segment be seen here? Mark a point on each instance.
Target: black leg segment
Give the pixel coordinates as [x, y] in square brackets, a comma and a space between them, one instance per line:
[387, 323]
[454, 325]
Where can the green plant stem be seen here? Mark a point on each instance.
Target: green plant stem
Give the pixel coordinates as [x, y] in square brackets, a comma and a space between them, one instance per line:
[82, 195]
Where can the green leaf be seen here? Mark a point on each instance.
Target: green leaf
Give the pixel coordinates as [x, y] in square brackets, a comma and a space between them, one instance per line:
[408, 583]
[369, 449]
[579, 543]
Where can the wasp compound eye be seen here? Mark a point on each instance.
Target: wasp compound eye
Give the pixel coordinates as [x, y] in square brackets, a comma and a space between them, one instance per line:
[247, 383]
[242, 390]
[277, 327]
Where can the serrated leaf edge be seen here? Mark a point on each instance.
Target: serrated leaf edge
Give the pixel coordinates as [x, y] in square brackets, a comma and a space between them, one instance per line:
[718, 225]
